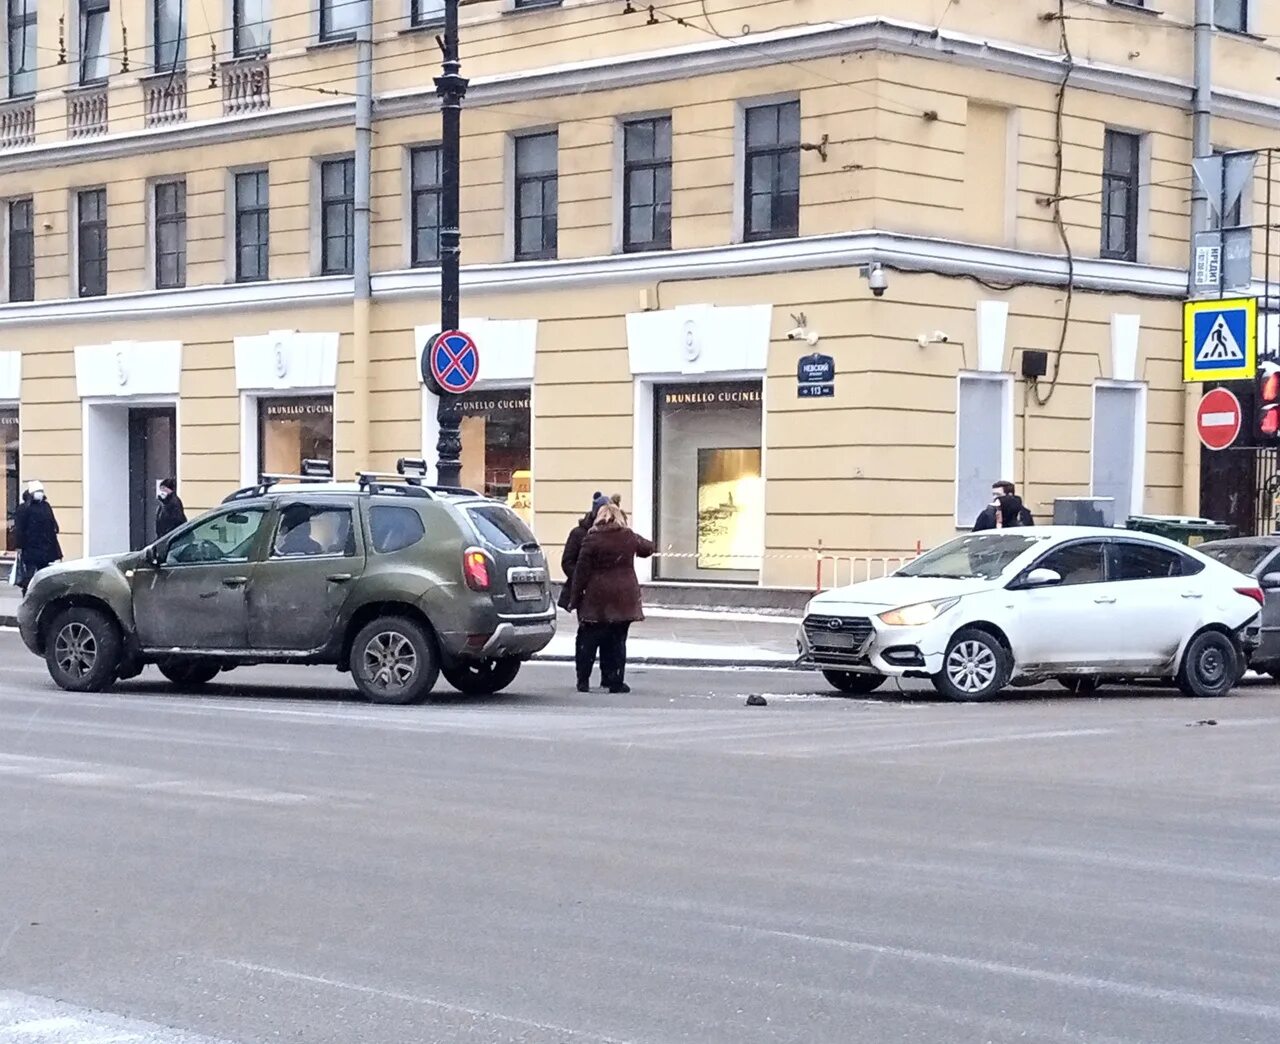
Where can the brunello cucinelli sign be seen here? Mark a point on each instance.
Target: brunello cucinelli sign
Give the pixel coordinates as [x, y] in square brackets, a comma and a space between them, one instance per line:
[484, 403]
[297, 408]
[710, 396]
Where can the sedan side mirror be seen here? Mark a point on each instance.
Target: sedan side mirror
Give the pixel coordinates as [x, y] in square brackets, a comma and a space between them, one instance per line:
[1271, 581]
[1042, 578]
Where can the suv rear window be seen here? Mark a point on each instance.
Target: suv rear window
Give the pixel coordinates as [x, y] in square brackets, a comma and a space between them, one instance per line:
[1243, 558]
[500, 527]
[394, 528]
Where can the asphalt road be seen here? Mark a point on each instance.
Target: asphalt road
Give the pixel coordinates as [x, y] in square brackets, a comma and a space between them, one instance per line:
[276, 862]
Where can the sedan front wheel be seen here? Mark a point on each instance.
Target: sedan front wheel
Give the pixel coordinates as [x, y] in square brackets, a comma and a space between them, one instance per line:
[976, 666]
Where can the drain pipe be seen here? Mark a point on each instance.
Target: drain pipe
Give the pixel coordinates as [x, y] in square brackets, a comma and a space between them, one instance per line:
[362, 304]
[1201, 145]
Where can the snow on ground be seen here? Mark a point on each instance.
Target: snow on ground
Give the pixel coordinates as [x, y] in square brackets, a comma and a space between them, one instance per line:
[34, 1020]
[684, 652]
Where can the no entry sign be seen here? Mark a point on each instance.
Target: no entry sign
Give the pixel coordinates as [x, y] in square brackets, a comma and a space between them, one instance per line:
[1218, 419]
[453, 361]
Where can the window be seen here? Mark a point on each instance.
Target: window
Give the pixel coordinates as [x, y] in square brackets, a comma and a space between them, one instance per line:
[1081, 563]
[253, 226]
[23, 56]
[1243, 558]
[978, 554]
[1118, 421]
[91, 242]
[10, 438]
[94, 43]
[339, 19]
[171, 234]
[772, 174]
[250, 27]
[537, 195]
[425, 187]
[1134, 561]
[523, 5]
[22, 252]
[337, 215]
[394, 528]
[426, 12]
[984, 441]
[646, 184]
[228, 537]
[313, 530]
[169, 34]
[1120, 167]
[501, 528]
[1232, 15]
[291, 430]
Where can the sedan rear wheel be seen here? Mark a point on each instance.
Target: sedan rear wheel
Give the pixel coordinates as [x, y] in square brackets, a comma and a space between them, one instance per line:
[975, 667]
[1210, 667]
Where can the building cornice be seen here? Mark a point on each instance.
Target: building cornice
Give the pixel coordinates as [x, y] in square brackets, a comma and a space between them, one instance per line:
[902, 253]
[760, 50]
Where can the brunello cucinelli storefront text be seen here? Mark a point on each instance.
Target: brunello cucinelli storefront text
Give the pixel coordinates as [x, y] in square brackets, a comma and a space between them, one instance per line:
[708, 479]
[495, 446]
[9, 438]
[294, 429]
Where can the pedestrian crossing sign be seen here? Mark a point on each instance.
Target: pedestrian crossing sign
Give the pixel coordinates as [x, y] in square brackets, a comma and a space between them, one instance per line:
[1220, 340]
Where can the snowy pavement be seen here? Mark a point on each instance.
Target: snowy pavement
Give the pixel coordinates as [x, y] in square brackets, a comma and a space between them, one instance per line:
[34, 1020]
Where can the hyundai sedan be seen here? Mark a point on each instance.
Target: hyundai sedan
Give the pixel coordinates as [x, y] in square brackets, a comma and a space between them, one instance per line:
[1022, 606]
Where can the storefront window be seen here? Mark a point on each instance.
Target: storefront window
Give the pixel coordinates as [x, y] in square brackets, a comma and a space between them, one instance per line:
[709, 484]
[12, 479]
[495, 447]
[293, 430]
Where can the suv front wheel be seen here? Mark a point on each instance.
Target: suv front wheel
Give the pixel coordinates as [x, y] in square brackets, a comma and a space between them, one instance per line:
[82, 650]
[482, 679]
[393, 660]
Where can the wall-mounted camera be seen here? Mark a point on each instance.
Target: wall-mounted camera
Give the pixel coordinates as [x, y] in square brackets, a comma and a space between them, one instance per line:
[877, 278]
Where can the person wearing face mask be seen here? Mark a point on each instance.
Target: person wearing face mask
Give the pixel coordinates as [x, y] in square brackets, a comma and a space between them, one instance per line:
[36, 534]
[170, 514]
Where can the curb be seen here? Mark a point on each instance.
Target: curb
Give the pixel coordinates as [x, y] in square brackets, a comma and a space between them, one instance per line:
[678, 661]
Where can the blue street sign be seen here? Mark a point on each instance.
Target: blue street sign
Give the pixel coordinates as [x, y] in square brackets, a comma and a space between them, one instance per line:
[816, 377]
[816, 391]
[1220, 340]
[453, 361]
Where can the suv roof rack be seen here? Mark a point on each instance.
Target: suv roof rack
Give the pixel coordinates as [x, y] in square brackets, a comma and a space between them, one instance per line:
[408, 480]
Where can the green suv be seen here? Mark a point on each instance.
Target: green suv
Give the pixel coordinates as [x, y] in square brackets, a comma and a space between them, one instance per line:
[393, 580]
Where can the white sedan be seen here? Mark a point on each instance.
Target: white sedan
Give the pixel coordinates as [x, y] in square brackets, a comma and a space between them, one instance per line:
[1019, 606]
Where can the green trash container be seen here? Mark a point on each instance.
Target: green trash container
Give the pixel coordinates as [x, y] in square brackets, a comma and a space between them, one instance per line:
[1184, 529]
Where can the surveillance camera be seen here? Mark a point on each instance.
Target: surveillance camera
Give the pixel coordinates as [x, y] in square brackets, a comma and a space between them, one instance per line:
[940, 338]
[799, 333]
[877, 279]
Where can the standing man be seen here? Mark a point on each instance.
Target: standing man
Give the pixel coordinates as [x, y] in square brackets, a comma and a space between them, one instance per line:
[987, 519]
[170, 514]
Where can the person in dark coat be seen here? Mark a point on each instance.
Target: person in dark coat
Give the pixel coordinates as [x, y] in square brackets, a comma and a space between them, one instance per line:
[170, 514]
[606, 596]
[1010, 512]
[987, 518]
[36, 535]
[568, 562]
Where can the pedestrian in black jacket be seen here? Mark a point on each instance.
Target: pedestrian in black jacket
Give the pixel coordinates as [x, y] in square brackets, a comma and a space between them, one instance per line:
[170, 514]
[36, 535]
[987, 518]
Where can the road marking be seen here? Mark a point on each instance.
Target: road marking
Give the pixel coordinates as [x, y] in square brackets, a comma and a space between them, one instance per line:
[428, 1002]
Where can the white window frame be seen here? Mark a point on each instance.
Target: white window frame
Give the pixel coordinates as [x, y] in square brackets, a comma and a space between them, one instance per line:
[1137, 492]
[1006, 381]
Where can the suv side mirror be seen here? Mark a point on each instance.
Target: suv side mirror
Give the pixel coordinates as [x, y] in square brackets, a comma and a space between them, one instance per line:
[1041, 578]
[154, 554]
[1271, 581]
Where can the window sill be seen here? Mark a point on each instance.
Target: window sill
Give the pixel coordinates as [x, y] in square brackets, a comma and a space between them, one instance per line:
[422, 28]
[1131, 6]
[245, 59]
[331, 45]
[646, 248]
[526, 8]
[522, 258]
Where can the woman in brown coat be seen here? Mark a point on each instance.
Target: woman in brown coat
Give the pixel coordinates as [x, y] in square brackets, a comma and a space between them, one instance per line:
[606, 596]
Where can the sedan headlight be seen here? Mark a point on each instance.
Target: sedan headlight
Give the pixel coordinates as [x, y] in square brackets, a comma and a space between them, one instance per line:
[917, 615]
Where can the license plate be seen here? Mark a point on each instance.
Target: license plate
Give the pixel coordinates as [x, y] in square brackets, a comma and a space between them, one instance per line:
[836, 640]
[527, 592]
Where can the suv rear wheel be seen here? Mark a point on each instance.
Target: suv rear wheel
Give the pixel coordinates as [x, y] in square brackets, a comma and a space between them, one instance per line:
[393, 660]
[189, 672]
[482, 679]
[82, 650]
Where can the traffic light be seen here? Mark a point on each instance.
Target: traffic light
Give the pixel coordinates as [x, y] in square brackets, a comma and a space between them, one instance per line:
[1269, 399]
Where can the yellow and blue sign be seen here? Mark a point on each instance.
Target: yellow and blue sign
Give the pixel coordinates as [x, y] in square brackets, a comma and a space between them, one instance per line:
[1220, 340]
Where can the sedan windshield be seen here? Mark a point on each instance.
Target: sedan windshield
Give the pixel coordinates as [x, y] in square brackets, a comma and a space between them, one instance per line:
[1243, 558]
[984, 555]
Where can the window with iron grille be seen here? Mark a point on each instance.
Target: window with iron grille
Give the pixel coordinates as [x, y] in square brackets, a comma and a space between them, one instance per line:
[426, 12]
[772, 175]
[23, 57]
[91, 242]
[337, 216]
[1121, 162]
[339, 19]
[170, 200]
[22, 251]
[537, 196]
[253, 226]
[425, 188]
[169, 34]
[250, 28]
[646, 184]
[94, 44]
[1232, 15]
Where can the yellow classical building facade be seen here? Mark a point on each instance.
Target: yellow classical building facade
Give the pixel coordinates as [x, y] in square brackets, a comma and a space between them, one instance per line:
[667, 207]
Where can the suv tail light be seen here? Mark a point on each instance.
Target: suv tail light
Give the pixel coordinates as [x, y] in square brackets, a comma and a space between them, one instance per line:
[475, 569]
[1253, 592]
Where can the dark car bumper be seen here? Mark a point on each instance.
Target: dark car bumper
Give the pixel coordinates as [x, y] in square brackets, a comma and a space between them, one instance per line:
[500, 637]
[28, 626]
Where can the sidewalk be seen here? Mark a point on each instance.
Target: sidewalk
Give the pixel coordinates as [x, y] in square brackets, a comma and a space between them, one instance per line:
[676, 637]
